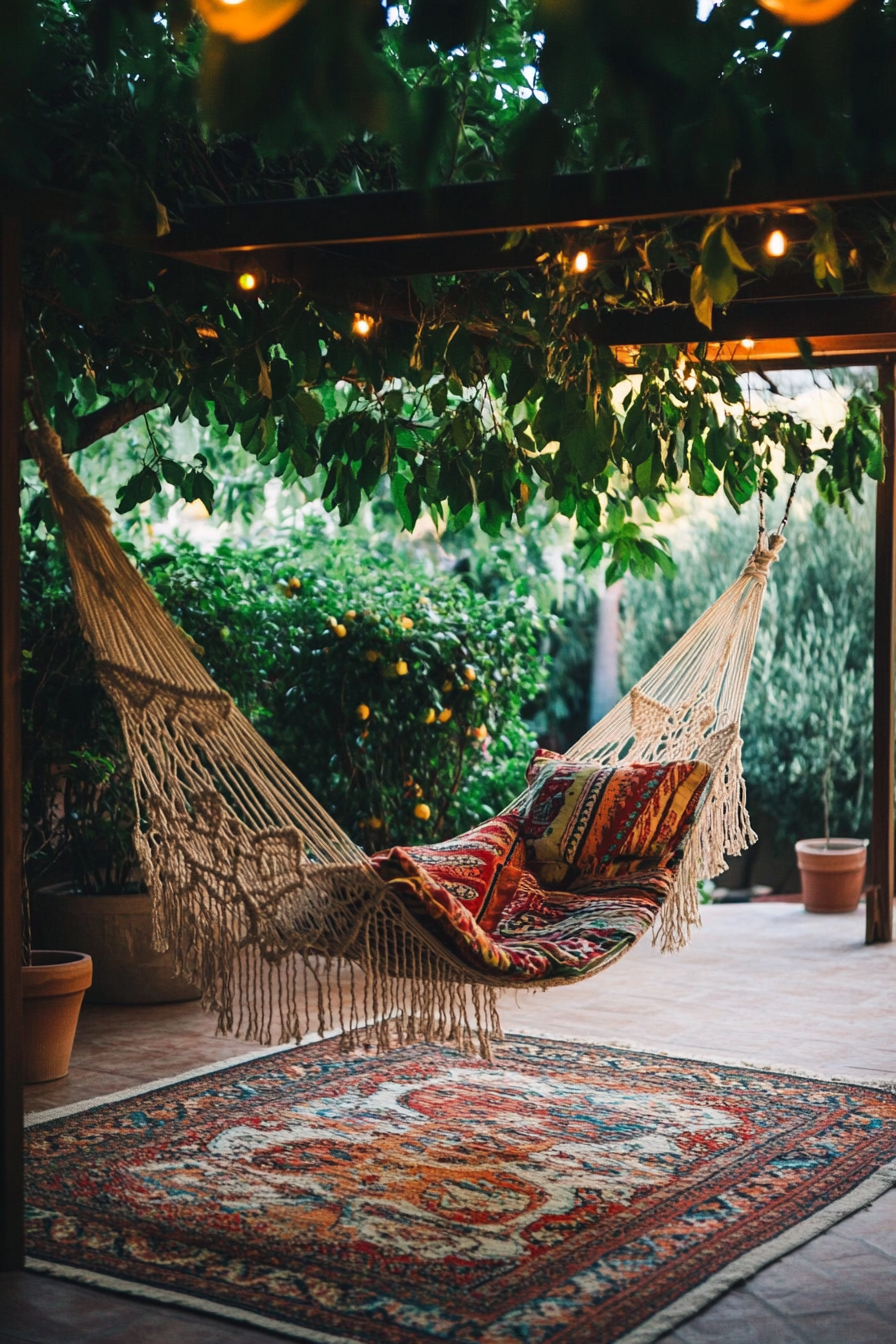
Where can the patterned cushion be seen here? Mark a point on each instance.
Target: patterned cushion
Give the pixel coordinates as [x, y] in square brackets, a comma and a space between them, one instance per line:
[580, 818]
[563, 887]
[469, 866]
[526, 934]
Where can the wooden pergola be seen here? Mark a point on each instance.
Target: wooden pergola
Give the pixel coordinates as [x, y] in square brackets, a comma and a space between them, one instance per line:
[353, 250]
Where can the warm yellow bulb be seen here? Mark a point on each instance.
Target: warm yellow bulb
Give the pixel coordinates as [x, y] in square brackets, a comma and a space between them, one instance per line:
[776, 243]
[748, 343]
[247, 281]
[580, 262]
[232, 2]
[362, 326]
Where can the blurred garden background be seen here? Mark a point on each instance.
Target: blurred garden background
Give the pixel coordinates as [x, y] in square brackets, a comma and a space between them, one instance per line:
[407, 677]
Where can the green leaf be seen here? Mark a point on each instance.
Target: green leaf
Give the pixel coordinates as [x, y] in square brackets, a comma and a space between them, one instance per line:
[522, 377]
[701, 298]
[826, 254]
[172, 471]
[883, 281]
[399, 491]
[310, 408]
[719, 275]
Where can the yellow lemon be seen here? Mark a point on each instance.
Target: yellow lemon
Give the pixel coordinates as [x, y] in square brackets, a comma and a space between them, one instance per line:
[445, 716]
[341, 631]
[480, 732]
[429, 716]
[401, 668]
[332, 622]
[406, 623]
[448, 685]
[371, 655]
[363, 712]
[469, 673]
[294, 584]
[349, 615]
[421, 812]
[375, 823]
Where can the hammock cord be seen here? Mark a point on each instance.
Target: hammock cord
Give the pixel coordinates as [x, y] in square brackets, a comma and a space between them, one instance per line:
[265, 901]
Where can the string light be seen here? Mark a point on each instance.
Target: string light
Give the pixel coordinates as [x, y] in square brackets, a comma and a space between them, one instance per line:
[362, 326]
[580, 262]
[247, 282]
[776, 243]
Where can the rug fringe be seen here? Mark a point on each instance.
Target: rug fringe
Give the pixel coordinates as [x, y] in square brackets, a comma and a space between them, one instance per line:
[165, 1296]
[760, 1257]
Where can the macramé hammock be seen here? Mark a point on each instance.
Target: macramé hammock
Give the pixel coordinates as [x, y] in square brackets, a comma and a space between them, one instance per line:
[284, 923]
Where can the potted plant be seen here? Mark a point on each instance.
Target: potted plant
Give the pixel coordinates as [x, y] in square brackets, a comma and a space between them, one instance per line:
[832, 868]
[81, 872]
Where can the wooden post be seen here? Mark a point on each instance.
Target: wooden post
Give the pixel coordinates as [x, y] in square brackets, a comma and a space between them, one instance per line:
[879, 900]
[12, 1231]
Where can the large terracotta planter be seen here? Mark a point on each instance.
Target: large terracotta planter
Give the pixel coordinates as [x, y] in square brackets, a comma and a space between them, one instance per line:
[832, 874]
[117, 932]
[52, 992]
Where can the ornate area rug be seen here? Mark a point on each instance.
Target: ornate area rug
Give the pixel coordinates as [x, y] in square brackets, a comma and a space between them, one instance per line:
[564, 1192]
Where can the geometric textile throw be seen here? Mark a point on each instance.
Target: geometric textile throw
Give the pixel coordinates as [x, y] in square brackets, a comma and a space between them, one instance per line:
[564, 1193]
[289, 928]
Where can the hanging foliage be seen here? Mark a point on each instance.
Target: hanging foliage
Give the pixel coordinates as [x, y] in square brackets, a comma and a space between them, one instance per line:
[463, 396]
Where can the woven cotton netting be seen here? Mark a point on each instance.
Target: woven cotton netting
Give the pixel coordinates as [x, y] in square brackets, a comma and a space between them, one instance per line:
[267, 905]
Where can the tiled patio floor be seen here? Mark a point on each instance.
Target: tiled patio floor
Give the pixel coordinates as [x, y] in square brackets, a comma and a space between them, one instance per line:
[763, 984]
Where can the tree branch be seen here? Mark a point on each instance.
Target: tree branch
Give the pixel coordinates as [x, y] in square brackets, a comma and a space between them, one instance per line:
[97, 424]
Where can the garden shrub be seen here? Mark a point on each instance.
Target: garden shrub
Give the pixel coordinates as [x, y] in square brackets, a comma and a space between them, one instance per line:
[394, 695]
[808, 709]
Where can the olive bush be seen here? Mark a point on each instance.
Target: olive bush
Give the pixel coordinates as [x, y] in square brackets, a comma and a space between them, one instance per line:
[807, 720]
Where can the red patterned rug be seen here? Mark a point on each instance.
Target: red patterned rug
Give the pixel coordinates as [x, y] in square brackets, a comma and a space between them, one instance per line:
[565, 1192]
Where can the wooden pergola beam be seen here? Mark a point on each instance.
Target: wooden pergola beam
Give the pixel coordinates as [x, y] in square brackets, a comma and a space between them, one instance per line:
[882, 852]
[465, 210]
[12, 1231]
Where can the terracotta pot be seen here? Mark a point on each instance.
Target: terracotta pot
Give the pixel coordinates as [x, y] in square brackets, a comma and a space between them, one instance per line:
[832, 874]
[117, 932]
[52, 991]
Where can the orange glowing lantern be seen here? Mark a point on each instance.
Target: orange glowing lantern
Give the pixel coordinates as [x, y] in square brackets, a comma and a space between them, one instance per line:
[797, 13]
[246, 20]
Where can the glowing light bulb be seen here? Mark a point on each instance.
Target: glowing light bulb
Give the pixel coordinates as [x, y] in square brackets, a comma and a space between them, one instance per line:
[776, 243]
[580, 262]
[362, 326]
[748, 343]
[233, 2]
[247, 281]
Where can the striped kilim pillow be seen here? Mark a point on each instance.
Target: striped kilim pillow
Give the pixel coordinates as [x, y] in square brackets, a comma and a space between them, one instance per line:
[607, 820]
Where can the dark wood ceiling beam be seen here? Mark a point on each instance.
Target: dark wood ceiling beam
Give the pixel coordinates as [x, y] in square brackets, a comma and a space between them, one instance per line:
[755, 319]
[566, 201]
